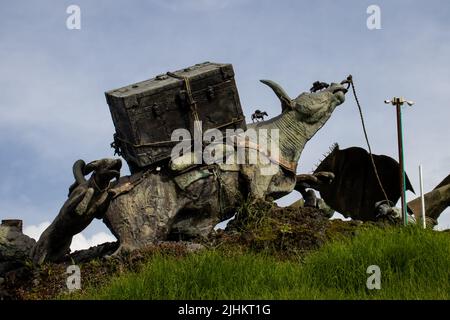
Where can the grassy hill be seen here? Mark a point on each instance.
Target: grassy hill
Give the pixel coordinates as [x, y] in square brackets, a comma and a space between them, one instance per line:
[414, 263]
[267, 252]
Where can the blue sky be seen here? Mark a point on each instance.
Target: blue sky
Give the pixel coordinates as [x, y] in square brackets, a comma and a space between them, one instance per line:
[52, 80]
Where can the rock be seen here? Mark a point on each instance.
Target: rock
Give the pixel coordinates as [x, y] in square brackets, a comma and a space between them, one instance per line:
[99, 251]
[16, 223]
[283, 231]
[15, 247]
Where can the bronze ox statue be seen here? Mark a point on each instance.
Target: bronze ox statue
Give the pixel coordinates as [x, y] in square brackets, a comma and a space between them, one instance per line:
[182, 202]
[177, 204]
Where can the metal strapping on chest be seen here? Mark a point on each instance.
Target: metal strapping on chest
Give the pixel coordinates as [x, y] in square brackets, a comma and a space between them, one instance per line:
[186, 179]
[128, 184]
[285, 164]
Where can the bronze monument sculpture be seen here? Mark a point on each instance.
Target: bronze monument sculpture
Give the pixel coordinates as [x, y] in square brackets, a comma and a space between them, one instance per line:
[161, 203]
[169, 198]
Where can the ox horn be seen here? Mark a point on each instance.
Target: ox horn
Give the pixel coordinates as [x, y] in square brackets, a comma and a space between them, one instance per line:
[286, 101]
[78, 171]
[91, 166]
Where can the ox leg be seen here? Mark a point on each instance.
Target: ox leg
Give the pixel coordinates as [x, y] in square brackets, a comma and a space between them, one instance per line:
[436, 201]
[312, 181]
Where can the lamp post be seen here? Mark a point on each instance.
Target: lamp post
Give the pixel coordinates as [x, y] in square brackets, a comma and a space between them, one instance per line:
[398, 103]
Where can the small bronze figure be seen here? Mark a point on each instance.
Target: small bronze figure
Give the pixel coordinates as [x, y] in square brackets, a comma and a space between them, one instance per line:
[317, 86]
[258, 114]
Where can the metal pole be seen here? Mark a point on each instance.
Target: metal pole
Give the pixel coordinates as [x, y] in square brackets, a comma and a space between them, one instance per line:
[398, 102]
[422, 198]
[401, 160]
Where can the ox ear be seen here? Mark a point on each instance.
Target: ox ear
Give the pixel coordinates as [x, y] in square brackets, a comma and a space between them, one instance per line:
[91, 166]
[286, 101]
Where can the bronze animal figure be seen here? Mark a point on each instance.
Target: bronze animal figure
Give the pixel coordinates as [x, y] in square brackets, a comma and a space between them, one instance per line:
[354, 190]
[317, 86]
[88, 199]
[436, 201]
[258, 114]
[172, 203]
[169, 204]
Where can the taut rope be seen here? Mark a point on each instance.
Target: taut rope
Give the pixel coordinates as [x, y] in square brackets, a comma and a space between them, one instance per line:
[350, 81]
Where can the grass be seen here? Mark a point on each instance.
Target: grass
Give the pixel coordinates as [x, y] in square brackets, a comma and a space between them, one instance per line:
[414, 263]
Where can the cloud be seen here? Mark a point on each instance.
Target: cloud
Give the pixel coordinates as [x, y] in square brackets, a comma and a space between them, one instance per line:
[35, 231]
[79, 241]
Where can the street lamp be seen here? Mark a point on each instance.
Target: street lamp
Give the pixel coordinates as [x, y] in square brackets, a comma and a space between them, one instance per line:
[398, 102]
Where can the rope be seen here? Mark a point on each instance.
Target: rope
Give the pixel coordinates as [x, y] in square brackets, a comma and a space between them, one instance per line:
[98, 188]
[150, 144]
[192, 102]
[366, 137]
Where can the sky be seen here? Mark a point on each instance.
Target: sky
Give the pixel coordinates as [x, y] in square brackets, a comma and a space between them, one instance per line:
[52, 80]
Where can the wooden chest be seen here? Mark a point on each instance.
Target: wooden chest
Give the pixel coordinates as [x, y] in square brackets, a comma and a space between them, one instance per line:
[146, 113]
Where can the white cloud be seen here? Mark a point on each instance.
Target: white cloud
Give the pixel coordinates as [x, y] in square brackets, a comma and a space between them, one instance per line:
[79, 241]
[36, 231]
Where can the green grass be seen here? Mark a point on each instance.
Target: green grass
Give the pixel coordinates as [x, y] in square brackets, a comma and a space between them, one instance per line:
[414, 263]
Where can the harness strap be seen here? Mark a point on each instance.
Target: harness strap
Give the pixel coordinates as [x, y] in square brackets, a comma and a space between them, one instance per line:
[192, 102]
[282, 162]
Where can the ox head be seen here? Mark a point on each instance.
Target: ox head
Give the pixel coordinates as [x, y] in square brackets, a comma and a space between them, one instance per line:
[103, 171]
[311, 107]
